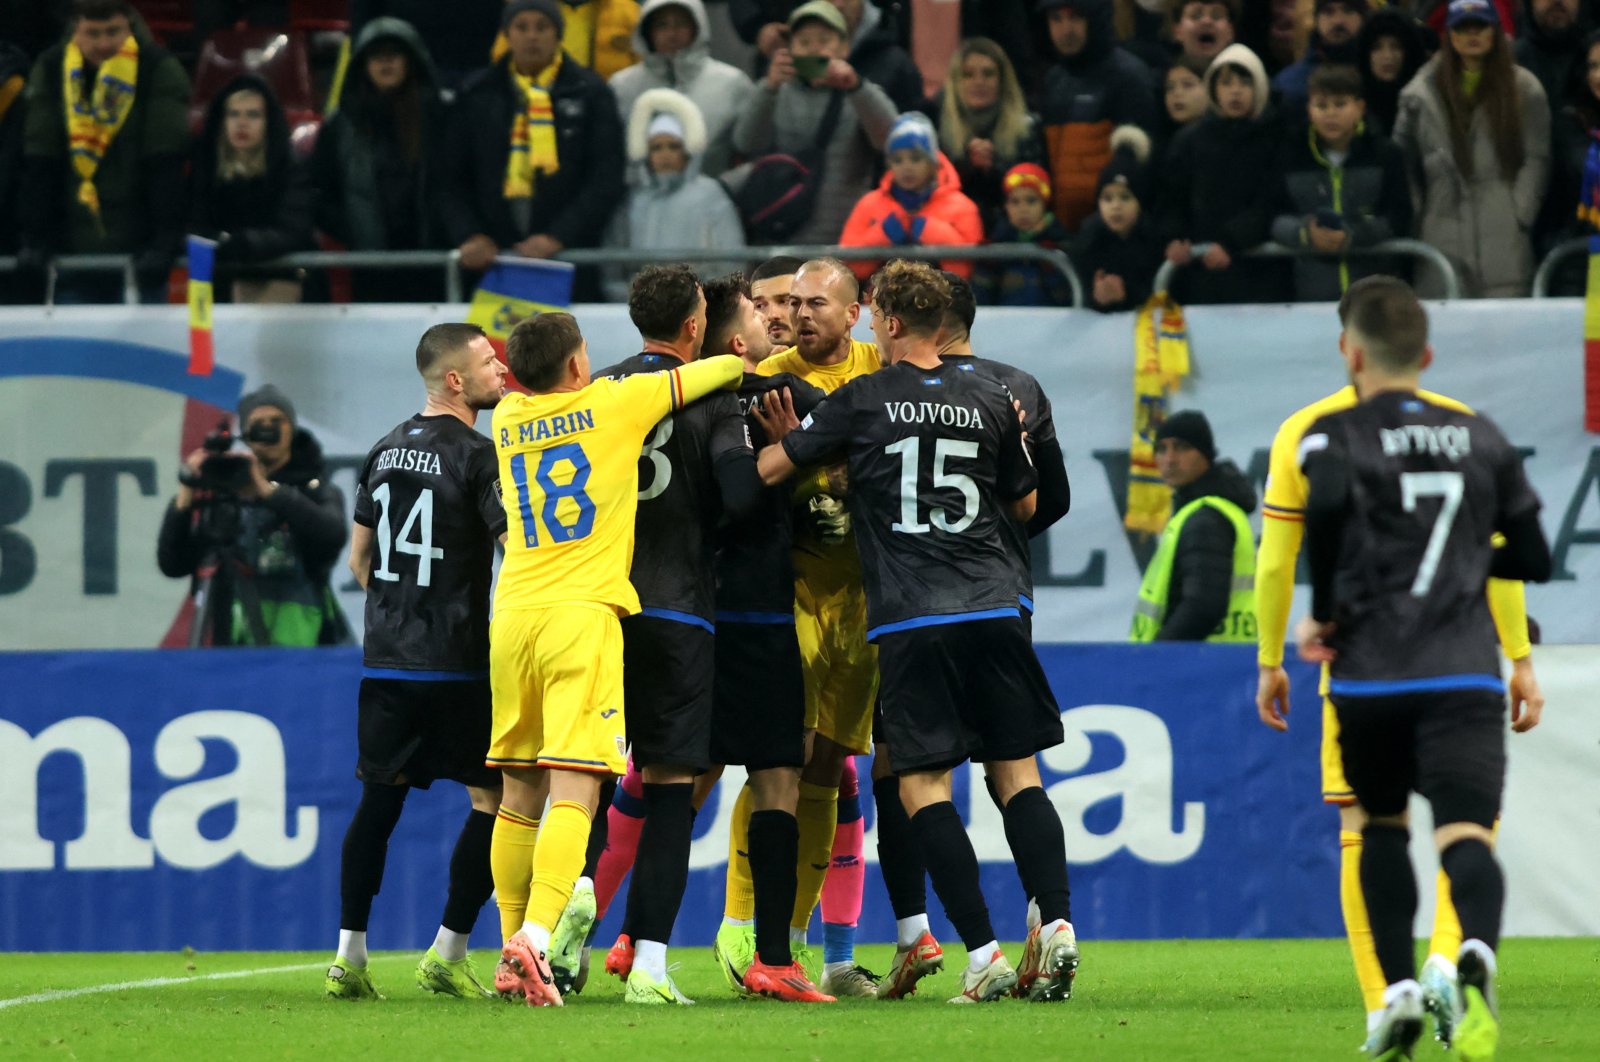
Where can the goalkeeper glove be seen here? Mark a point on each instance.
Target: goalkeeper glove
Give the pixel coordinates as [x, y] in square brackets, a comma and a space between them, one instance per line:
[829, 519]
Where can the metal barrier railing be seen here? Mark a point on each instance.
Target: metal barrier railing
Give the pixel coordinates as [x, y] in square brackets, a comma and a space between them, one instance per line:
[450, 261]
[1410, 248]
[1558, 254]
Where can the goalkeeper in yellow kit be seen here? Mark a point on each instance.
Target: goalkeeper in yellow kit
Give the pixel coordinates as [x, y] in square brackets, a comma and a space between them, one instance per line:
[1281, 530]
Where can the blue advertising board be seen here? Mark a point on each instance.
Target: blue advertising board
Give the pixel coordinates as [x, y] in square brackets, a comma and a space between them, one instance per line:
[156, 799]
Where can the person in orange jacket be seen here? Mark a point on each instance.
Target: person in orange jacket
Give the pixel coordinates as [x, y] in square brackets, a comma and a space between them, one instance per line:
[919, 201]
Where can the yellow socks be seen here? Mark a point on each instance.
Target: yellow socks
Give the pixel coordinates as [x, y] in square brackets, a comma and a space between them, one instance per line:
[563, 838]
[511, 862]
[1446, 938]
[818, 817]
[741, 899]
[1369, 975]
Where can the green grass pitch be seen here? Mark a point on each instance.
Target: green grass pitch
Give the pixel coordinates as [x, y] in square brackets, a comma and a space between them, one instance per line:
[1146, 1000]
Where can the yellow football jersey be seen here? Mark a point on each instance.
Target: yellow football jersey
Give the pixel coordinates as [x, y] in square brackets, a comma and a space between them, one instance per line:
[569, 476]
[863, 358]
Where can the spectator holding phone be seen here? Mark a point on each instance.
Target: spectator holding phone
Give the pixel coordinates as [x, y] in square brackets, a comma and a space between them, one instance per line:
[1341, 185]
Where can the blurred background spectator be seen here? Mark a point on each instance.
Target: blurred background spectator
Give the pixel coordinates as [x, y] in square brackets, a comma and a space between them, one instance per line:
[1202, 28]
[1028, 219]
[1119, 250]
[1011, 25]
[459, 33]
[876, 53]
[1550, 47]
[1392, 47]
[376, 169]
[1091, 87]
[248, 192]
[14, 63]
[533, 156]
[1335, 34]
[120, 188]
[1577, 138]
[918, 201]
[674, 38]
[787, 110]
[599, 33]
[671, 205]
[1475, 130]
[985, 126]
[1183, 99]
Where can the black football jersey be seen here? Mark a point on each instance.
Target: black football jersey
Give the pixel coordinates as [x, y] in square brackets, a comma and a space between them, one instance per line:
[430, 491]
[1427, 489]
[755, 569]
[934, 457]
[1040, 424]
[674, 537]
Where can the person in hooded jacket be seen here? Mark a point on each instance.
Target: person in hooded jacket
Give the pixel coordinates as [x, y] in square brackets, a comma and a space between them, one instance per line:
[674, 37]
[1091, 88]
[919, 201]
[671, 205]
[1025, 282]
[290, 530]
[1335, 32]
[1550, 46]
[1576, 139]
[1214, 184]
[1392, 48]
[1197, 586]
[249, 192]
[459, 33]
[1119, 250]
[376, 168]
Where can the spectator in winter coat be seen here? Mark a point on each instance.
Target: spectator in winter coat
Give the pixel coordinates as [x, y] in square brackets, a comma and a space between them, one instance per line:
[1577, 136]
[1028, 220]
[1334, 32]
[1551, 48]
[1119, 250]
[985, 127]
[534, 149]
[785, 112]
[377, 166]
[1392, 46]
[876, 53]
[1341, 186]
[1092, 87]
[671, 205]
[1202, 28]
[459, 33]
[248, 192]
[1217, 175]
[919, 201]
[597, 34]
[674, 37]
[118, 188]
[1184, 100]
[14, 65]
[1475, 132]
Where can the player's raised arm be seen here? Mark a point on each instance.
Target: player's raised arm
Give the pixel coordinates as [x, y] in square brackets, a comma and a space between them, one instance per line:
[699, 378]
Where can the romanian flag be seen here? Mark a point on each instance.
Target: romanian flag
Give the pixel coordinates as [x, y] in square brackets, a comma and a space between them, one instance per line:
[202, 257]
[1589, 214]
[1161, 361]
[513, 290]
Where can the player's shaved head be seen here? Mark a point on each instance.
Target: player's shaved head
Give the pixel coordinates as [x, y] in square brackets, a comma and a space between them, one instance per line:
[1388, 321]
[442, 348]
[849, 289]
[724, 310]
[539, 347]
[915, 292]
[963, 306]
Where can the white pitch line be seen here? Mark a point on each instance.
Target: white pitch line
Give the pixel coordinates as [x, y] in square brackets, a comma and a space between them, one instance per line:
[161, 982]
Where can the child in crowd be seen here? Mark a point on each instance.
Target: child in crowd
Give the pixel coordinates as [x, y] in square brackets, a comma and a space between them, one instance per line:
[1183, 98]
[1118, 252]
[1028, 220]
[1340, 186]
[671, 205]
[1216, 176]
[919, 201]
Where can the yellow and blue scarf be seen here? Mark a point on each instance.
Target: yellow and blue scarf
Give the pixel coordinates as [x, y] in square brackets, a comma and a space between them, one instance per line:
[1161, 361]
[95, 115]
[533, 132]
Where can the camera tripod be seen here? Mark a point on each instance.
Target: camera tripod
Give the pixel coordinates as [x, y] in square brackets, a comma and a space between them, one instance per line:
[222, 577]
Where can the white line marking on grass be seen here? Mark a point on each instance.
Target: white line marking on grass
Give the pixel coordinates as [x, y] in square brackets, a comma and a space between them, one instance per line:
[162, 982]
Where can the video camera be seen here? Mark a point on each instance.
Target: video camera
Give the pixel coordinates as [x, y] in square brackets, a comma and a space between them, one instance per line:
[224, 470]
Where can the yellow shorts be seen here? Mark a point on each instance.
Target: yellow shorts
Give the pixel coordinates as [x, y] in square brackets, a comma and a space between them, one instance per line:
[1335, 790]
[556, 675]
[839, 664]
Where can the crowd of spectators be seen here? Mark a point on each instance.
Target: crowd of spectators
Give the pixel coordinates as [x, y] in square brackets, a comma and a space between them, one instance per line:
[1127, 133]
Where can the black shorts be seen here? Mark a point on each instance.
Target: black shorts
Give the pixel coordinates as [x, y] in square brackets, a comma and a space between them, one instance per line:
[667, 677]
[759, 714]
[1448, 746]
[959, 691]
[414, 732]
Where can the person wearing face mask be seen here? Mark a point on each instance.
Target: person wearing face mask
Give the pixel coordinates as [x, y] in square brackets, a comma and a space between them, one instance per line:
[671, 204]
[1391, 49]
[1475, 130]
[1335, 27]
[249, 193]
[985, 126]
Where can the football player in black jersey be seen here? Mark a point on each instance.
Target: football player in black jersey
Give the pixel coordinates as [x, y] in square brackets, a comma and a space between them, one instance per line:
[937, 463]
[1405, 495]
[427, 514]
[697, 466]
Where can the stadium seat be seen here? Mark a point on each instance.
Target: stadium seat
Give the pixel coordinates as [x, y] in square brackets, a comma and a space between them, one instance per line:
[314, 16]
[279, 57]
[167, 18]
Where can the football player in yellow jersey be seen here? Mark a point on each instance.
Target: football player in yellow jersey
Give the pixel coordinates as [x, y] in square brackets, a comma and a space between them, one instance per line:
[1282, 528]
[569, 475]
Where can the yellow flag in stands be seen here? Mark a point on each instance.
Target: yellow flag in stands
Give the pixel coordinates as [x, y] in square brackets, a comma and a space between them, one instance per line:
[1161, 361]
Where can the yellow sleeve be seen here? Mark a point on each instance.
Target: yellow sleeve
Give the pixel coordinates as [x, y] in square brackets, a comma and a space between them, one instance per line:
[1275, 561]
[1508, 606]
[652, 395]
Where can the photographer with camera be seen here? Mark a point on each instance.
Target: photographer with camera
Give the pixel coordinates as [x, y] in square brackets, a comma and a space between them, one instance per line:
[258, 530]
